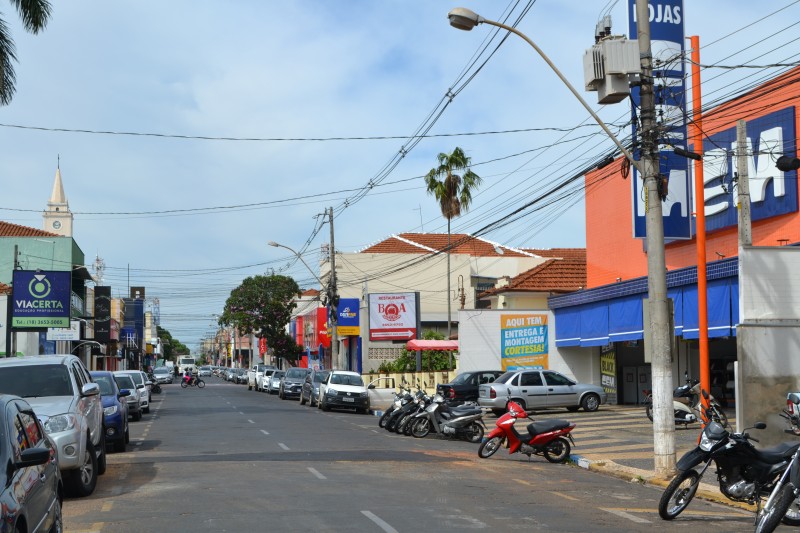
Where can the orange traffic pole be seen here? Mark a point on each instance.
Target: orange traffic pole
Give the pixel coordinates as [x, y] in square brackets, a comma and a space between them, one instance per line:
[696, 137]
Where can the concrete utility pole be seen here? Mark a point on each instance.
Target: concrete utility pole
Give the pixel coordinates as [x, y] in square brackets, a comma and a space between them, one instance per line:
[743, 187]
[332, 299]
[663, 422]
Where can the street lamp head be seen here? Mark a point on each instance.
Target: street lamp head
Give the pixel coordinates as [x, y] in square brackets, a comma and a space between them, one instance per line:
[273, 243]
[464, 19]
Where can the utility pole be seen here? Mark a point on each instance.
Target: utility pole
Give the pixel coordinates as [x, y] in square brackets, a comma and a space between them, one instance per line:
[10, 307]
[663, 422]
[743, 187]
[333, 300]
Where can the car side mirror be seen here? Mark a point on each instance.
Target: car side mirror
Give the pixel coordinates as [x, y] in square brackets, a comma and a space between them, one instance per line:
[371, 386]
[33, 457]
[90, 389]
[123, 393]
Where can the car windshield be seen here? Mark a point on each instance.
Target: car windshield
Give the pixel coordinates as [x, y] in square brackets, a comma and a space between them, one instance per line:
[319, 377]
[505, 377]
[106, 388]
[205, 368]
[33, 381]
[347, 379]
[461, 379]
[161, 370]
[296, 373]
[124, 382]
[278, 375]
[137, 378]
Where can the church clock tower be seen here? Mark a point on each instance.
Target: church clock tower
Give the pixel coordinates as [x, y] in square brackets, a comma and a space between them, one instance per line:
[58, 217]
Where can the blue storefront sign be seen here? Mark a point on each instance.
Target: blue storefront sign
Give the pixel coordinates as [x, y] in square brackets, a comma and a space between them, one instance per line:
[667, 46]
[348, 323]
[41, 299]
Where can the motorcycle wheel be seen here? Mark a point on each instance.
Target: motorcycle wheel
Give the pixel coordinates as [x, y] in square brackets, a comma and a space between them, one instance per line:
[489, 447]
[200, 383]
[557, 451]
[183, 385]
[384, 417]
[474, 432]
[420, 428]
[792, 516]
[407, 427]
[402, 424]
[391, 423]
[769, 517]
[678, 494]
[649, 411]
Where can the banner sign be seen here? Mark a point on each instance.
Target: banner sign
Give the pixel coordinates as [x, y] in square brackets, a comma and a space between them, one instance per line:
[608, 371]
[348, 323]
[667, 47]
[523, 341]
[72, 333]
[41, 299]
[392, 317]
[772, 192]
[102, 313]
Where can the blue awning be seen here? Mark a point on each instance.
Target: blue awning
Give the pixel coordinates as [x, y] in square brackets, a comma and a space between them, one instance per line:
[625, 319]
[719, 309]
[594, 324]
[568, 326]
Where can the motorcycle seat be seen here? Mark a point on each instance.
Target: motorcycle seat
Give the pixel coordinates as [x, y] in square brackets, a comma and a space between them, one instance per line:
[781, 452]
[536, 428]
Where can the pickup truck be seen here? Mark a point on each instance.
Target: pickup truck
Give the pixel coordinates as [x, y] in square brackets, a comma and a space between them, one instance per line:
[255, 374]
[464, 388]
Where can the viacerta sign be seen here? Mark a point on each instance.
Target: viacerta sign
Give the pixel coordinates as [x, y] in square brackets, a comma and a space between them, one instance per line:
[41, 299]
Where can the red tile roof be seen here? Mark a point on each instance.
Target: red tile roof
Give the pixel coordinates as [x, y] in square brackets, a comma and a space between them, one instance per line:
[462, 243]
[310, 292]
[5, 289]
[564, 272]
[7, 229]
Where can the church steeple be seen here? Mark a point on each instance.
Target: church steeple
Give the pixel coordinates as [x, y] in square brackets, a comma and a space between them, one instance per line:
[57, 217]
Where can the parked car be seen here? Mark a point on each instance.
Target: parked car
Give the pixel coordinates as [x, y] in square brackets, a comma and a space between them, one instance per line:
[241, 376]
[292, 383]
[464, 388]
[255, 374]
[204, 371]
[262, 384]
[229, 374]
[32, 490]
[134, 406]
[163, 375]
[342, 388]
[115, 409]
[310, 391]
[140, 379]
[539, 389]
[274, 385]
[68, 403]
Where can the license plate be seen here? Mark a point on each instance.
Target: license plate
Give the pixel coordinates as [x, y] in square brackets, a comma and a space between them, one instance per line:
[348, 399]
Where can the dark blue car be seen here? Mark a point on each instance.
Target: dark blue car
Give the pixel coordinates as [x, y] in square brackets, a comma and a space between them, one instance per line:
[115, 410]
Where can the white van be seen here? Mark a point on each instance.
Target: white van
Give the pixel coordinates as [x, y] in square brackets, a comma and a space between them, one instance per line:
[186, 362]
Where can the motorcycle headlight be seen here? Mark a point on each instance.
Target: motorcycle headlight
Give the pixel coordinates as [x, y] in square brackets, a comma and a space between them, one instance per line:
[706, 443]
[108, 411]
[57, 423]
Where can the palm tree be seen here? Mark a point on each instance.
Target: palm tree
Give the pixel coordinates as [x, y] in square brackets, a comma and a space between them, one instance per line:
[454, 194]
[34, 15]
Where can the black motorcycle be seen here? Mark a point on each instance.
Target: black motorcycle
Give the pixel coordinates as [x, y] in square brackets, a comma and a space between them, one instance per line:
[745, 474]
[783, 504]
[155, 387]
[410, 405]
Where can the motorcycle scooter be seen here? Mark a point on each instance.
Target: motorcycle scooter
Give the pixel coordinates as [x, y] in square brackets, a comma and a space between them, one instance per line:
[687, 406]
[464, 421]
[550, 438]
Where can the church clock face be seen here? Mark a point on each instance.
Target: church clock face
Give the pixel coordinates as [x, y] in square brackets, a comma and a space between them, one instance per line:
[56, 224]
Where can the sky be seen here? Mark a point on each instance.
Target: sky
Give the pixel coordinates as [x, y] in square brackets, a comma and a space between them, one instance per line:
[190, 133]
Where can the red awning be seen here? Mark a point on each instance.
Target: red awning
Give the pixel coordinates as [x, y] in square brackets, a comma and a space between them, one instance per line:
[421, 344]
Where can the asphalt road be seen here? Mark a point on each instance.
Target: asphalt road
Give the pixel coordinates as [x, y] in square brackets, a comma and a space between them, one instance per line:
[227, 459]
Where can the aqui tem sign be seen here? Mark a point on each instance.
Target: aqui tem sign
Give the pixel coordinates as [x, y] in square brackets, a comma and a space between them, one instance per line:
[41, 299]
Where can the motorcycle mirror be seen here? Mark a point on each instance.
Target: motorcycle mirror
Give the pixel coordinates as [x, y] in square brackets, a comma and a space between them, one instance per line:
[758, 425]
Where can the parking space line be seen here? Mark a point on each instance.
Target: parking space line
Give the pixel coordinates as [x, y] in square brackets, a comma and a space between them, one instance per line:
[265, 432]
[623, 514]
[566, 496]
[379, 522]
[314, 471]
[282, 445]
[250, 421]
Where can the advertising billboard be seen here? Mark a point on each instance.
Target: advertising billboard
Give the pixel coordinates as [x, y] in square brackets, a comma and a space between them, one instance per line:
[41, 299]
[393, 316]
[102, 313]
[348, 322]
[523, 341]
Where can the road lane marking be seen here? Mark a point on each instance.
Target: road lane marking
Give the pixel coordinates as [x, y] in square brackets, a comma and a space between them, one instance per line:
[265, 432]
[250, 421]
[314, 471]
[623, 514]
[566, 496]
[380, 523]
[106, 507]
[282, 445]
[241, 413]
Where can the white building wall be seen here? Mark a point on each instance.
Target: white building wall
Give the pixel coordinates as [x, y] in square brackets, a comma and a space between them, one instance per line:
[480, 346]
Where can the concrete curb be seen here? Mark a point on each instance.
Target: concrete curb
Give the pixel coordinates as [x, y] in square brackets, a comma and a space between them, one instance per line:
[706, 491]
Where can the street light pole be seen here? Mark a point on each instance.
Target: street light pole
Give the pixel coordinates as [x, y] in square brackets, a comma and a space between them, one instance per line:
[663, 429]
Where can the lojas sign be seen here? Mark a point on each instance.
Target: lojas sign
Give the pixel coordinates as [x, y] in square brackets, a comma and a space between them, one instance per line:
[41, 299]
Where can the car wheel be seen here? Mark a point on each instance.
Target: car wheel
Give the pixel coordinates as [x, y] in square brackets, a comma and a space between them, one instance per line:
[82, 481]
[127, 435]
[324, 405]
[311, 401]
[146, 410]
[573, 408]
[58, 517]
[101, 460]
[590, 402]
[137, 416]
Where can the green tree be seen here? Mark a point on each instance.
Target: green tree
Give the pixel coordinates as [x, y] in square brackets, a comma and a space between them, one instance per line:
[34, 15]
[453, 191]
[263, 305]
[172, 346]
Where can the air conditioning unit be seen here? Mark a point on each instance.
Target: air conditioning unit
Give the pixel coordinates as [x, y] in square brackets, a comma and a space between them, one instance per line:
[608, 67]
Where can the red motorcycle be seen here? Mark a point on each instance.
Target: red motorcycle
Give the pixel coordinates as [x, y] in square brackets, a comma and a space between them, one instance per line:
[550, 438]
